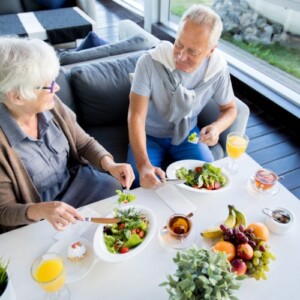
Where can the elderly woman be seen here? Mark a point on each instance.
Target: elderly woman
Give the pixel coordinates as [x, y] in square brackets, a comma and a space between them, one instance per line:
[46, 159]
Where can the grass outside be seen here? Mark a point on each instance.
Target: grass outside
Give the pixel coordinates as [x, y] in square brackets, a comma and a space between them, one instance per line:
[286, 59]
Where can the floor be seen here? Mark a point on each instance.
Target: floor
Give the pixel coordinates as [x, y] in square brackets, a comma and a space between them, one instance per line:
[273, 142]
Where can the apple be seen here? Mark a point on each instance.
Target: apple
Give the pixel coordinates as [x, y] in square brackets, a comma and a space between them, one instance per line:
[244, 251]
[238, 266]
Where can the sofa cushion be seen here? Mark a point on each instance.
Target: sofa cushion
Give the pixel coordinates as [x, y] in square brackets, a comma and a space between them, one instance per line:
[113, 138]
[11, 7]
[65, 93]
[90, 41]
[101, 91]
[135, 43]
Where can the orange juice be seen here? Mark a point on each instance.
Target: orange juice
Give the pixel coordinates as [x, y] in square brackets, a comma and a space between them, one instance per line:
[50, 275]
[236, 146]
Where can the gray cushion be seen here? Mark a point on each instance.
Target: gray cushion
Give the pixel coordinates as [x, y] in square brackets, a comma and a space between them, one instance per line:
[101, 91]
[65, 93]
[135, 43]
[10, 7]
[113, 138]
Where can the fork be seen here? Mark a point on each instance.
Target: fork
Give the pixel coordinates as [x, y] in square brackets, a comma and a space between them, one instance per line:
[126, 192]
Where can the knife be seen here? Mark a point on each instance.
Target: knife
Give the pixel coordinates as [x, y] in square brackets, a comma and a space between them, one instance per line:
[102, 220]
[175, 180]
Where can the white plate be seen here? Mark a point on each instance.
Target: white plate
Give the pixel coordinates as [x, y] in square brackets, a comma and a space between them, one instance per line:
[75, 271]
[101, 249]
[191, 164]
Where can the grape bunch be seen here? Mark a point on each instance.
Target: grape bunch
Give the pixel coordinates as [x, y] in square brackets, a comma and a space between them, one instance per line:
[239, 235]
[259, 264]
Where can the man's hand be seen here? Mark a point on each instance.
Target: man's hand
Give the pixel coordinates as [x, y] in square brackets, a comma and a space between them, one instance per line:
[151, 177]
[57, 213]
[209, 135]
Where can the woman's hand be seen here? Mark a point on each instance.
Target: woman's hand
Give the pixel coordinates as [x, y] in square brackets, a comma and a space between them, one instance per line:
[57, 213]
[121, 171]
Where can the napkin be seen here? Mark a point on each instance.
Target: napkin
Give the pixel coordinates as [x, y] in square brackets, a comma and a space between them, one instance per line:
[82, 229]
[174, 199]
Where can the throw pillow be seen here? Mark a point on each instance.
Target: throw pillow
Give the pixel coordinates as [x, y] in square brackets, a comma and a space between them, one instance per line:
[134, 43]
[90, 41]
[101, 91]
[52, 4]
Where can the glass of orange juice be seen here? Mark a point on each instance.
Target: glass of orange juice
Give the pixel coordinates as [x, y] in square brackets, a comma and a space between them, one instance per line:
[236, 144]
[49, 273]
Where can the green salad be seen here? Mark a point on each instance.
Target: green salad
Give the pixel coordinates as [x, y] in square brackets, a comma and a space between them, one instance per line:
[128, 233]
[193, 138]
[206, 176]
[125, 198]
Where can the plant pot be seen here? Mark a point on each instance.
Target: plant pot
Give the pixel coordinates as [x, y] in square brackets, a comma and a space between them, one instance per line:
[8, 293]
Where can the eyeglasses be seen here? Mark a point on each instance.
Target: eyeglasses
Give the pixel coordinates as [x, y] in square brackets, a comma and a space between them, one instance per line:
[50, 88]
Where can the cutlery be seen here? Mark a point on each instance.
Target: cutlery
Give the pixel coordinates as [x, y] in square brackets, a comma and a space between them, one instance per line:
[102, 220]
[175, 181]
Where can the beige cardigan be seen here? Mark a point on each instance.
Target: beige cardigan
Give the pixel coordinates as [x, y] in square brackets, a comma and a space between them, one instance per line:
[17, 191]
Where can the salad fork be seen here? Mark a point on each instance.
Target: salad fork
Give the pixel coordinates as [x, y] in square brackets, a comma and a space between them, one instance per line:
[126, 192]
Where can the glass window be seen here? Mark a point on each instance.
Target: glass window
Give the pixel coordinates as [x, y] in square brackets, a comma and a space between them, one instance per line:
[267, 29]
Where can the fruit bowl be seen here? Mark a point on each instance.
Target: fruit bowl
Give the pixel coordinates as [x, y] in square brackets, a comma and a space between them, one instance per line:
[100, 246]
[246, 247]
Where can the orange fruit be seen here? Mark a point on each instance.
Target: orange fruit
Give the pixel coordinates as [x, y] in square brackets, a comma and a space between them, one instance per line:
[227, 247]
[260, 230]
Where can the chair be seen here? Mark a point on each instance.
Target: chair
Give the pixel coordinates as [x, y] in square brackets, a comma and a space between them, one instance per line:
[210, 113]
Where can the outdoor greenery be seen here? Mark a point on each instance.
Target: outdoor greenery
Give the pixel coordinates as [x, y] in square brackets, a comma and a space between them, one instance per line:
[202, 274]
[284, 58]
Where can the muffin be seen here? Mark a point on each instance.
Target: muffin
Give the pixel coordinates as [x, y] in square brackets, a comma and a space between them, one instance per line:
[76, 251]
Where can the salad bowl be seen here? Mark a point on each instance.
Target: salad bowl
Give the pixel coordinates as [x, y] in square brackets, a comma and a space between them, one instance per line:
[100, 245]
[190, 164]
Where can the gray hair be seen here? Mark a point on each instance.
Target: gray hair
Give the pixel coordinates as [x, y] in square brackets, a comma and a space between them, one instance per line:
[25, 65]
[204, 16]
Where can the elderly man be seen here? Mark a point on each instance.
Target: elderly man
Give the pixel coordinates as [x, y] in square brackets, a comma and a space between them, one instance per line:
[172, 84]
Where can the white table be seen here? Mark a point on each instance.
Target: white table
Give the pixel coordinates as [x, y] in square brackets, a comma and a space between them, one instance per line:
[139, 277]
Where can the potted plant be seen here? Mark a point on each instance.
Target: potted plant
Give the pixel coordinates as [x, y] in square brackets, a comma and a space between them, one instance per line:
[202, 274]
[6, 291]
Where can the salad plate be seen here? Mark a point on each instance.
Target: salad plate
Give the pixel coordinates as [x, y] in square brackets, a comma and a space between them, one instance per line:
[75, 271]
[101, 249]
[190, 164]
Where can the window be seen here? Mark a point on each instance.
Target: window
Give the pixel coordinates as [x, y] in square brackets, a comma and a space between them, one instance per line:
[266, 29]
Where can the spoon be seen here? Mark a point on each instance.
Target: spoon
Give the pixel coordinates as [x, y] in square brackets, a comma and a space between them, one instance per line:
[278, 215]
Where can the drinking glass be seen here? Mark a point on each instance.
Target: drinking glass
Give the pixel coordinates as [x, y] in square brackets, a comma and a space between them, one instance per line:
[236, 144]
[49, 273]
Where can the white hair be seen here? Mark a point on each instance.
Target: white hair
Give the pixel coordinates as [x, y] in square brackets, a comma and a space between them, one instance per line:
[25, 65]
[204, 16]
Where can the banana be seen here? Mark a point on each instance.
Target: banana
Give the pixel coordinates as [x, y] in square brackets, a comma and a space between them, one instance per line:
[240, 217]
[216, 232]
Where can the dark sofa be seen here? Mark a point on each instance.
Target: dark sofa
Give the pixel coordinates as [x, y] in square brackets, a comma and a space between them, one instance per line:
[98, 91]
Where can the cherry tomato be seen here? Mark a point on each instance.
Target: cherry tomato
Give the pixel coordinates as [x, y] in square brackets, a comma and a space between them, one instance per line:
[142, 234]
[121, 226]
[198, 169]
[123, 250]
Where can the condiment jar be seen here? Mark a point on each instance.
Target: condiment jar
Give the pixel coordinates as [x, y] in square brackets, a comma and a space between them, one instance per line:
[279, 219]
